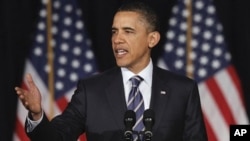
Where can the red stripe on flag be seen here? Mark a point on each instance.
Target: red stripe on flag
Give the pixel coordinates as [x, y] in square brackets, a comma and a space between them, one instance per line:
[83, 137]
[220, 101]
[210, 132]
[20, 131]
[62, 103]
[231, 70]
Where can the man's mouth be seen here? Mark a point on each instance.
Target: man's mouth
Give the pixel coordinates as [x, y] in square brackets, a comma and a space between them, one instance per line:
[121, 51]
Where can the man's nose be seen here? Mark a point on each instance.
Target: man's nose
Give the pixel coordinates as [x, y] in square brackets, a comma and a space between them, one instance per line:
[117, 38]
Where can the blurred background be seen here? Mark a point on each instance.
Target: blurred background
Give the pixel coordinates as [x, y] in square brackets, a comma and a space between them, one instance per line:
[18, 26]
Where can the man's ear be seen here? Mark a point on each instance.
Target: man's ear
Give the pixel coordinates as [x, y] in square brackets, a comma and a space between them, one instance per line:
[154, 38]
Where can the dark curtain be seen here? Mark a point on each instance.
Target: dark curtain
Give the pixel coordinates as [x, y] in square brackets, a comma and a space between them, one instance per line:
[18, 20]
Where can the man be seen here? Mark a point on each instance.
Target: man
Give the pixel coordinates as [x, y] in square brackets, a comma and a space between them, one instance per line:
[99, 103]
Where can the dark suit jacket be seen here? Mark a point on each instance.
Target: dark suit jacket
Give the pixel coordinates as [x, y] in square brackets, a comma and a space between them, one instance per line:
[98, 106]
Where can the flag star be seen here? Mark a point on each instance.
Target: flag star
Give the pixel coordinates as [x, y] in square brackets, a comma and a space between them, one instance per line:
[61, 72]
[55, 17]
[168, 47]
[204, 60]
[64, 47]
[219, 39]
[41, 26]
[228, 56]
[57, 4]
[217, 52]
[68, 8]
[207, 35]
[67, 21]
[199, 4]
[197, 17]
[205, 47]
[215, 64]
[172, 22]
[180, 52]
[78, 37]
[185, 13]
[77, 51]
[53, 43]
[73, 77]
[59, 85]
[43, 13]
[75, 64]
[211, 9]
[183, 26]
[66, 34]
[209, 22]
[40, 38]
[44, 2]
[178, 64]
[196, 30]
[193, 55]
[175, 9]
[182, 38]
[79, 24]
[78, 12]
[54, 30]
[194, 43]
[87, 68]
[219, 27]
[202, 72]
[170, 34]
[62, 60]
[38, 51]
[89, 54]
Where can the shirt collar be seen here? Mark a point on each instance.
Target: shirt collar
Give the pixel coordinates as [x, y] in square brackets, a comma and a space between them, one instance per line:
[146, 74]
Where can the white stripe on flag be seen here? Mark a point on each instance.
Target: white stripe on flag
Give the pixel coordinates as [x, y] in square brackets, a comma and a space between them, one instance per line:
[213, 114]
[232, 96]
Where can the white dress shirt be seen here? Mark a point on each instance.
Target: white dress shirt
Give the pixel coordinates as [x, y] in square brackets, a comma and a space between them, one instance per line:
[145, 85]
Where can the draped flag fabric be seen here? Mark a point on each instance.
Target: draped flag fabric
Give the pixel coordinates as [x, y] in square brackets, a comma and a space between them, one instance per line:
[72, 59]
[220, 89]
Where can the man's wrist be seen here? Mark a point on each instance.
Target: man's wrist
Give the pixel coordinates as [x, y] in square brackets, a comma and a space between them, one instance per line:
[35, 116]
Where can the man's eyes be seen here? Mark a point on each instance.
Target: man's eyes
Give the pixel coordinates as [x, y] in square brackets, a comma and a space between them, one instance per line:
[125, 31]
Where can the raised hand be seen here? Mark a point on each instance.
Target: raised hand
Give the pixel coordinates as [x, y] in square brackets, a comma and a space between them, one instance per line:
[31, 98]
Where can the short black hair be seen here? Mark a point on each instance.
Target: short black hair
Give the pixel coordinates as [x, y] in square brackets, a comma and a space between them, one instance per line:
[145, 10]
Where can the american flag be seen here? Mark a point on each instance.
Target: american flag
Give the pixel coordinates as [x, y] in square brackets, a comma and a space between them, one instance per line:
[73, 59]
[220, 89]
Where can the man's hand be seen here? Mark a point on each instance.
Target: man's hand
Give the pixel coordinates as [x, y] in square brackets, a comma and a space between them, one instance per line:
[31, 98]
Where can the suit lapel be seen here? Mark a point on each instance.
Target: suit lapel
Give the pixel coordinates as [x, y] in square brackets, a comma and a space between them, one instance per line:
[116, 97]
[159, 97]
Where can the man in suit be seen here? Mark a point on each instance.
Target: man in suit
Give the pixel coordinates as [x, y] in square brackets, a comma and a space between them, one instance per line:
[99, 103]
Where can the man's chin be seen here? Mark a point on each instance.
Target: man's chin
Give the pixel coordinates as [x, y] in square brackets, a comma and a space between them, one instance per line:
[121, 64]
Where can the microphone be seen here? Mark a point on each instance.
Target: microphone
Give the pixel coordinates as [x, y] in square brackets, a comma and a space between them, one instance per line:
[148, 120]
[129, 121]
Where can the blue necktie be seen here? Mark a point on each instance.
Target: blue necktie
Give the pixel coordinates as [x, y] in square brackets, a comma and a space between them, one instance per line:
[135, 102]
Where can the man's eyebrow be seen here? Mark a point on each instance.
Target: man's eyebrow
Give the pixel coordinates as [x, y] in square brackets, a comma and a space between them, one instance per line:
[124, 28]
[128, 28]
[113, 28]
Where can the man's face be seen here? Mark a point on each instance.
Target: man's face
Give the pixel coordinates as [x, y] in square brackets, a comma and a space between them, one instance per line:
[130, 41]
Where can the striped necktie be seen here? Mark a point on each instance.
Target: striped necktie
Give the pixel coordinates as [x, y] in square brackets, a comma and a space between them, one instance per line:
[135, 102]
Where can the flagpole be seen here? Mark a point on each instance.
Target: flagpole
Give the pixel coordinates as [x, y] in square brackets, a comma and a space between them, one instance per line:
[50, 54]
[189, 66]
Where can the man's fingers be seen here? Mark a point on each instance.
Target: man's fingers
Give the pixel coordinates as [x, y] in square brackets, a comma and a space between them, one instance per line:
[20, 91]
[29, 79]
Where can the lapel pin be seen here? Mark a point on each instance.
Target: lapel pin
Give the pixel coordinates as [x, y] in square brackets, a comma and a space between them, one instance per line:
[163, 92]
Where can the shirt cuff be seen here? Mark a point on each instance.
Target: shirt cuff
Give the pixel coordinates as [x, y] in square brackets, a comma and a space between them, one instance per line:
[31, 124]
